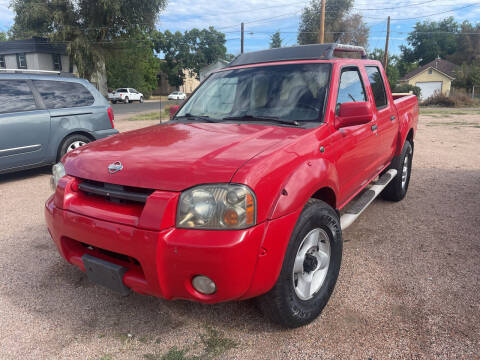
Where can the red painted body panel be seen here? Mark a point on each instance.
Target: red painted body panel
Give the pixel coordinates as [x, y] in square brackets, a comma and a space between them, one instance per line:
[284, 166]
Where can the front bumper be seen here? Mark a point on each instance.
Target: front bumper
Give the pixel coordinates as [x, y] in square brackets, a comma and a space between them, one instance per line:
[162, 263]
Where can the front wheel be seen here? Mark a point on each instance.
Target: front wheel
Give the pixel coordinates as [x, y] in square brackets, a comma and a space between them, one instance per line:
[310, 268]
[397, 188]
[127, 100]
[141, 99]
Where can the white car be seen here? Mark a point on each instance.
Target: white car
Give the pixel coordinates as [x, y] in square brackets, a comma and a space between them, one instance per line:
[177, 95]
[125, 95]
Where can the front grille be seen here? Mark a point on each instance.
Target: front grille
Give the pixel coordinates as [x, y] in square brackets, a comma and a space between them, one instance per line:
[115, 193]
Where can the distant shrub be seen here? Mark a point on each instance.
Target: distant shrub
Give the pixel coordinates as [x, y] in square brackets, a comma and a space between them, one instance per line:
[461, 98]
[438, 99]
[405, 88]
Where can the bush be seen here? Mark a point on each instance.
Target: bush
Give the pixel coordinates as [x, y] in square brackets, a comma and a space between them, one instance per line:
[438, 99]
[405, 88]
[461, 98]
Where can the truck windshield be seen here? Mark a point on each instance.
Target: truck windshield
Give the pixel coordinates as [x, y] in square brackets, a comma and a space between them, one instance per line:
[293, 93]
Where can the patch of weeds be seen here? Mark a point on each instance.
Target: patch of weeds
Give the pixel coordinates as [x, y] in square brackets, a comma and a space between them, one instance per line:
[125, 337]
[143, 339]
[214, 345]
[148, 116]
[455, 124]
[175, 354]
[106, 357]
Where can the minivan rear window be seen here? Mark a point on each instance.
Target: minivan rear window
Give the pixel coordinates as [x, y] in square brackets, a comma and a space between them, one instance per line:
[63, 94]
[16, 96]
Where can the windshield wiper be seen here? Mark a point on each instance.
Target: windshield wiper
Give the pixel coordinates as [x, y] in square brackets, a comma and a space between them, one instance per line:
[262, 118]
[189, 116]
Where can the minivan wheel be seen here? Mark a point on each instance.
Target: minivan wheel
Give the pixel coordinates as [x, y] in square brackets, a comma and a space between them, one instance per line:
[71, 143]
[310, 268]
[141, 99]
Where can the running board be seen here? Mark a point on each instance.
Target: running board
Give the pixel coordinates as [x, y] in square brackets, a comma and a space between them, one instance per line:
[366, 199]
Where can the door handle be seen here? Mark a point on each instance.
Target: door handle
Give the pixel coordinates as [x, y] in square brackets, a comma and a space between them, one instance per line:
[374, 127]
[392, 117]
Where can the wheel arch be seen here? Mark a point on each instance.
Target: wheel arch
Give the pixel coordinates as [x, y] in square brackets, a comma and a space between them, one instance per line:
[65, 137]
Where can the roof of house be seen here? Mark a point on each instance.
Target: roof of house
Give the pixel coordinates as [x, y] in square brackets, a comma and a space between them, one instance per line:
[445, 67]
[33, 45]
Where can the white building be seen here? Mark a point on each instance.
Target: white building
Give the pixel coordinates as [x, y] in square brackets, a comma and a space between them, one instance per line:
[35, 54]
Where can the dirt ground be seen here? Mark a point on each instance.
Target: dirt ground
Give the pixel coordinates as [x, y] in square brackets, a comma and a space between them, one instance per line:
[409, 285]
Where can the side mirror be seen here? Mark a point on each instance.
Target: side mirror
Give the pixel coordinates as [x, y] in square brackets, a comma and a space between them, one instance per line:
[173, 110]
[353, 113]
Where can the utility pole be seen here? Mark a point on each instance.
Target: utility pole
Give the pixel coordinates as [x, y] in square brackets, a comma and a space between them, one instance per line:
[321, 34]
[385, 60]
[242, 39]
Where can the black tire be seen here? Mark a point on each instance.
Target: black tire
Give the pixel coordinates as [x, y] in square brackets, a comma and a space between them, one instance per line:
[69, 140]
[397, 188]
[114, 102]
[127, 100]
[141, 99]
[282, 304]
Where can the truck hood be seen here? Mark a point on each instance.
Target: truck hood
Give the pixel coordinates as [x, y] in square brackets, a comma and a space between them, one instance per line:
[175, 156]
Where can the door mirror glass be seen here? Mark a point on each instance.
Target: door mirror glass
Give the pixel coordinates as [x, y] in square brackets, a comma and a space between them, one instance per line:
[353, 113]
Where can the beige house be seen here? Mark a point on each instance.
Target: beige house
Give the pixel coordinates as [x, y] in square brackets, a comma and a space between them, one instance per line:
[436, 76]
[190, 83]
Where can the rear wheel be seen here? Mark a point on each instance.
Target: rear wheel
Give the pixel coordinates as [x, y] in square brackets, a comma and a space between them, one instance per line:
[71, 143]
[141, 99]
[310, 268]
[127, 100]
[397, 188]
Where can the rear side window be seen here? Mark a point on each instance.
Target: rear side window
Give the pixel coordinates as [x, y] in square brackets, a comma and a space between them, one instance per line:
[16, 96]
[122, 90]
[378, 87]
[351, 87]
[63, 94]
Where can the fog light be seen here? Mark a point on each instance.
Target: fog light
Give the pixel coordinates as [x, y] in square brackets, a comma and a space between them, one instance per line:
[204, 285]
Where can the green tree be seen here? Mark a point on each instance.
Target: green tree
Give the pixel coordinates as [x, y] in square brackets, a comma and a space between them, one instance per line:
[275, 40]
[191, 51]
[392, 71]
[339, 25]
[431, 39]
[90, 28]
[133, 64]
[3, 36]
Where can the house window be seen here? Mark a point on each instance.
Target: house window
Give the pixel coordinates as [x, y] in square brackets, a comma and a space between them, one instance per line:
[430, 71]
[21, 61]
[57, 62]
[2, 62]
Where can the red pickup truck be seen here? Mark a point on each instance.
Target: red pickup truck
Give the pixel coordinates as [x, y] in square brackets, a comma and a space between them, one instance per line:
[246, 191]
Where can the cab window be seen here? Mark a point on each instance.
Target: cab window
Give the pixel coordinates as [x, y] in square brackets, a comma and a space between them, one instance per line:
[351, 87]
[378, 86]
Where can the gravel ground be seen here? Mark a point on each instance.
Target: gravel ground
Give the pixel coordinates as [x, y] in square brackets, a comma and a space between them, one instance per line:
[408, 287]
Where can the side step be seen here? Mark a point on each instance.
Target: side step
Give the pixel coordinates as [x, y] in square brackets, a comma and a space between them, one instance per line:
[354, 211]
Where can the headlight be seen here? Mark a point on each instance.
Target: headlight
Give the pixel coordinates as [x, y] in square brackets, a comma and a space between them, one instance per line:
[58, 171]
[217, 206]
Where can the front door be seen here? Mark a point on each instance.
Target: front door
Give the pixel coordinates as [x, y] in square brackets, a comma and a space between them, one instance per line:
[24, 127]
[355, 147]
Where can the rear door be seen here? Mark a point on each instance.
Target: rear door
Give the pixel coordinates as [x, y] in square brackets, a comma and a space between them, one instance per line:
[24, 126]
[385, 115]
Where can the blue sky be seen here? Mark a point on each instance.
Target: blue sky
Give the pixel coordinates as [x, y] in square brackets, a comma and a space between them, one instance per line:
[264, 18]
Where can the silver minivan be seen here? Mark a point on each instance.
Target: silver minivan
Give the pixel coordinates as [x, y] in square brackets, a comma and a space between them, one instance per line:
[42, 117]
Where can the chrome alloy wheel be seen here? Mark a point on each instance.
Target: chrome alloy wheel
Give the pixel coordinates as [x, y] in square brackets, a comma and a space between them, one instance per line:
[75, 145]
[405, 169]
[311, 264]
